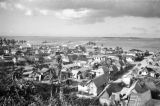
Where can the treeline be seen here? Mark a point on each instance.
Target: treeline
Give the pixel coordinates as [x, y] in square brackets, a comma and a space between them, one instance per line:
[11, 42]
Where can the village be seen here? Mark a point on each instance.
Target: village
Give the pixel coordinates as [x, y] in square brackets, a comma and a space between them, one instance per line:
[111, 76]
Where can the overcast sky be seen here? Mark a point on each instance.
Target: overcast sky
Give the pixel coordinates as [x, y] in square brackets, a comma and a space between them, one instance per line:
[108, 18]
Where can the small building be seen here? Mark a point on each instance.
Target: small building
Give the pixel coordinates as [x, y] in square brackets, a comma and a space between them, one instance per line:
[72, 57]
[143, 72]
[65, 75]
[130, 59]
[69, 67]
[80, 73]
[113, 68]
[28, 68]
[139, 99]
[105, 99]
[99, 58]
[96, 85]
[101, 70]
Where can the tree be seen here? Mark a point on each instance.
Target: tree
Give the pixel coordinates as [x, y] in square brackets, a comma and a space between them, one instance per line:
[13, 42]
[59, 67]
[54, 74]
[13, 93]
[1, 42]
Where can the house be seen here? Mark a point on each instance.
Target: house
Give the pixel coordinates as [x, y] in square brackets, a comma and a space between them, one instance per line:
[65, 75]
[65, 58]
[105, 99]
[139, 99]
[108, 95]
[13, 51]
[113, 57]
[47, 59]
[156, 69]
[7, 57]
[130, 59]
[126, 80]
[41, 72]
[97, 50]
[80, 73]
[143, 71]
[82, 87]
[69, 67]
[153, 102]
[91, 43]
[130, 54]
[99, 58]
[72, 57]
[25, 45]
[135, 51]
[35, 75]
[113, 69]
[90, 51]
[100, 71]
[81, 63]
[151, 71]
[21, 61]
[103, 50]
[119, 64]
[97, 84]
[27, 74]
[82, 57]
[28, 68]
[110, 51]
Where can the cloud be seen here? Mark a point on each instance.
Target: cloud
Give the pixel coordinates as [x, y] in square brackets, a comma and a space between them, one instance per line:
[6, 6]
[146, 8]
[20, 6]
[43, 11]
[92, 10]
[139, 29]
[29, 13]
[72, 13]
[100, 9]
[3, 5]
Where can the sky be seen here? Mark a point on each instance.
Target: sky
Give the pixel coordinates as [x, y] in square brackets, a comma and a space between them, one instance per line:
[91, 18]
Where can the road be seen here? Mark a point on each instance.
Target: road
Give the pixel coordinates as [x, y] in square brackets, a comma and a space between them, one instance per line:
[143, 63]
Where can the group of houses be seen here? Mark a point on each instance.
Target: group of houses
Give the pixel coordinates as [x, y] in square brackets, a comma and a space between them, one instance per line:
[94, 68]
[141, 87]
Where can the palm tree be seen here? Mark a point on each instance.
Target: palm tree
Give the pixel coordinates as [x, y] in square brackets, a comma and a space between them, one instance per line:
[51, 81]
[59, 68]
[53, 76]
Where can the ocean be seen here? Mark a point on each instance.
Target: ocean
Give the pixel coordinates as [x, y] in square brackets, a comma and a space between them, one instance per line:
[151, 44]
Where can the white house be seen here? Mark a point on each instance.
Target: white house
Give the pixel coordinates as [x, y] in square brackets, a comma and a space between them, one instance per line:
[77, 73]
[95, 86]
[100, 71]
[105, 99]
[99, 58]
[129, 59]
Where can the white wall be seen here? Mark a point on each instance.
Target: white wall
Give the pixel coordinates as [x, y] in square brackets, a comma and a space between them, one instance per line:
[92, 89]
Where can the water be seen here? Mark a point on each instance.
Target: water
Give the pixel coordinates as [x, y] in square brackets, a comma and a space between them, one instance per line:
[152, 44]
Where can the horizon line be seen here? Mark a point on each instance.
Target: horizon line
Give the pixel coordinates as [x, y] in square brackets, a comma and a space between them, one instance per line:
[80, 36]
